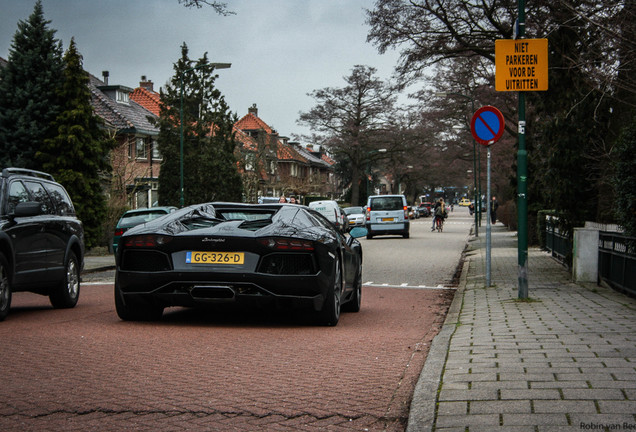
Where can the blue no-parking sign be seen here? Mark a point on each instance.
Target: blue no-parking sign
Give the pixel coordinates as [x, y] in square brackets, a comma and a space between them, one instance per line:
[487, 125]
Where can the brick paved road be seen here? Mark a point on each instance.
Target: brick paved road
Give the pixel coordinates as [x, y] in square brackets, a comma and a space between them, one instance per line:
[84, 369]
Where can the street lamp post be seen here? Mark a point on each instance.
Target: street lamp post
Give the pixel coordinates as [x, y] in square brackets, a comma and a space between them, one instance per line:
[477, 211]
[215, 66]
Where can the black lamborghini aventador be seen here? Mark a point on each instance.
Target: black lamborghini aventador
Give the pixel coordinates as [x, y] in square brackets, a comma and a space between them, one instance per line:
[272, 255]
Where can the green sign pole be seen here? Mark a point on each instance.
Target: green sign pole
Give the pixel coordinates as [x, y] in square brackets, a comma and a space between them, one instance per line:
[522, 180]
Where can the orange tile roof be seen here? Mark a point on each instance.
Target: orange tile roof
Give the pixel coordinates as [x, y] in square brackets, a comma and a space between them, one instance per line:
[252, 122]
[288, 153]
[247, 142]
[327, 159]
[147, 99]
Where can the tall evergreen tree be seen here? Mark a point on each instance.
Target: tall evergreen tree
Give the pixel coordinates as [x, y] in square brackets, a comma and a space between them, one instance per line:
[210, 167]
[78, 154]
[28, 91]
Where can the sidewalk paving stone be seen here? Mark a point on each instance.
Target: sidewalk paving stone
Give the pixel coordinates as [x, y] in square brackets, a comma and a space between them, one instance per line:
[565, 359]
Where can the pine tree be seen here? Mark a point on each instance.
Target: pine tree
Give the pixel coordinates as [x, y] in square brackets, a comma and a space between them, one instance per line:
[28, 85]
[210, 167]
[78, 154]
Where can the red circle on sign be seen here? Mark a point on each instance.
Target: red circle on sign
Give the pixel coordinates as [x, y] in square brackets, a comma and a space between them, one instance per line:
[487, 125]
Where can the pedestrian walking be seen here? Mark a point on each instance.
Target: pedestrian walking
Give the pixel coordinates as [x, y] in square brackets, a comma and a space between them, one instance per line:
[494, 205]
[282, 199]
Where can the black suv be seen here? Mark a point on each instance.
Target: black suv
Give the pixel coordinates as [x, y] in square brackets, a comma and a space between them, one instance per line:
[41, 239]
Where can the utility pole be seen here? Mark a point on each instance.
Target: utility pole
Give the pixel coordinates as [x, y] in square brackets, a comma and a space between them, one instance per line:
[522, 179]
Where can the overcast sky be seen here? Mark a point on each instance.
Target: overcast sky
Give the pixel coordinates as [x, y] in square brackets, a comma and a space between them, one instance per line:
[280, 50]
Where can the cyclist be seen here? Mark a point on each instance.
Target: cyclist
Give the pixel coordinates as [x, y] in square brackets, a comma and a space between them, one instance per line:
[439, 212]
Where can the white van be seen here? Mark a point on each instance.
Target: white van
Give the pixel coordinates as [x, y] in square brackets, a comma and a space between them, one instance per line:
[387, 215]
[331, 210]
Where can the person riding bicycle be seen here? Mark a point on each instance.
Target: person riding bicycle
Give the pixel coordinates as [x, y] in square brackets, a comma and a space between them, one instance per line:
[439, 212]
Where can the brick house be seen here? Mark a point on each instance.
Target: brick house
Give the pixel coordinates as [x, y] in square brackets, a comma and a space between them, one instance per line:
[269, 164]
[280, 166]
[135, 160]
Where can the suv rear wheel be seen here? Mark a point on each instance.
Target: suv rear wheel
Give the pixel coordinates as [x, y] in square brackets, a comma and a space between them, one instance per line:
[66, 294]
[5, 288]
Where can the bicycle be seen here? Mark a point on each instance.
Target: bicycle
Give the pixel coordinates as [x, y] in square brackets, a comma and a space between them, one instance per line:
[439, 223]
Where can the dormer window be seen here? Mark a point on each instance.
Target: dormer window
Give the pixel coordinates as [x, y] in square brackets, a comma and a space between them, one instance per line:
[117, 93]
[121, 96]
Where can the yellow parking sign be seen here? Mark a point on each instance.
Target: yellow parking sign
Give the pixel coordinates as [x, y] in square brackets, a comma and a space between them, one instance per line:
[521, 64]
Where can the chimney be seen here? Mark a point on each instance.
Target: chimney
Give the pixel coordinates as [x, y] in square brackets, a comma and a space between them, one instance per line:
[147, 84]
[105, 75]
[253, 110]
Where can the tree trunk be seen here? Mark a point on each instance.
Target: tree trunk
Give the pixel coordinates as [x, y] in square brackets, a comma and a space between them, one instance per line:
[355, 184]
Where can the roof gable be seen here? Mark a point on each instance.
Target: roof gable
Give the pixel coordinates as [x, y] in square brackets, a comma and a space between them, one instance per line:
[130, 117]
[250, 122]
[148, 99]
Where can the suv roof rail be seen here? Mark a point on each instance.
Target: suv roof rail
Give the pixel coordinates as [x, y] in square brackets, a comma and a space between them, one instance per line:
[6, 172]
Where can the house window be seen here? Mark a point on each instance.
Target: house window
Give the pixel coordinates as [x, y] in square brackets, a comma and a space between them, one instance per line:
[141, 151]
[249, 163]
[141, 198]
[156, 155]
[121, 97]
[154, 193]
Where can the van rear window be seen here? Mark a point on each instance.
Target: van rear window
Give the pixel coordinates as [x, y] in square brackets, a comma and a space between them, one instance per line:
[386, 203]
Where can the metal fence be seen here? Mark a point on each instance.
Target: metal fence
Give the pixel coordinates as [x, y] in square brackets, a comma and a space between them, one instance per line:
[556, 242]
[617, 261]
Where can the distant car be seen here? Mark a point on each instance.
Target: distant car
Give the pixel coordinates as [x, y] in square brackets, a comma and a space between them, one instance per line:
[387, 215]
[135, 217]
[332, 211]
[278, 255]
[355, 216]
[41, 239]
[424, 210]
[464, 202]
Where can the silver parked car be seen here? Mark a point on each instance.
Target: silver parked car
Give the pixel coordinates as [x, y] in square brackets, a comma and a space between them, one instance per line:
[355, 216]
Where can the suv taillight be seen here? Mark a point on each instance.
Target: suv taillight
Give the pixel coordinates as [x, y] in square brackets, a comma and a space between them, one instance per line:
[406, 212]
[368, 213]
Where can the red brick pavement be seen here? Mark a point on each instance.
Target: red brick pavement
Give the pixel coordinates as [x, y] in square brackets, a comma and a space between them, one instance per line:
[83, 369]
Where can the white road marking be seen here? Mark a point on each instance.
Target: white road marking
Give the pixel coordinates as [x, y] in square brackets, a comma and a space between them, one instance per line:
[404, 285]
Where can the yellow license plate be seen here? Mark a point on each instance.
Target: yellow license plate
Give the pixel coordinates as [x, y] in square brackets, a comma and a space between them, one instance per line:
[388, 219]
[193, 257]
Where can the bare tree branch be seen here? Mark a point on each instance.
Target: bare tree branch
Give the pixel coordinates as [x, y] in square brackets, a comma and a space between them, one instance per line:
[219, 7]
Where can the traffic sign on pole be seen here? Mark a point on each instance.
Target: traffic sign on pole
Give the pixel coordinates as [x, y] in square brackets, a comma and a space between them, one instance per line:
[487, 125]
[521, 64]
